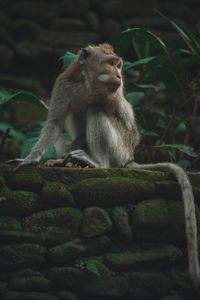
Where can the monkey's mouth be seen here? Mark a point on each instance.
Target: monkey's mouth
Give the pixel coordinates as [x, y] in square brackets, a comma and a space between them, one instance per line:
[111, 81]
[114, 84]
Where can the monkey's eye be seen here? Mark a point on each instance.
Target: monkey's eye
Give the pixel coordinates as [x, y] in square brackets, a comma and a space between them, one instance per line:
[112, 62]
[119, 64]
[84, 53]
[115, 62]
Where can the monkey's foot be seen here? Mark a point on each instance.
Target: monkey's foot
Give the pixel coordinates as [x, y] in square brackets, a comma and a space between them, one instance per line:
[82, 158]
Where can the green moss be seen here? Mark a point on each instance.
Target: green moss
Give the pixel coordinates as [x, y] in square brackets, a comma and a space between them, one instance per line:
[19, 203]
[24, 179]
[30, 283]
[29, 296]
[3, 286]
[111, 191]
[3, 185]
[67, 278]
[61, 224]
[56, 194]
[21, 255]
[148, 285]
[96, 221]
[69, 251]
[8, 223]
[159, 220]
[158, 256]
[158, 211]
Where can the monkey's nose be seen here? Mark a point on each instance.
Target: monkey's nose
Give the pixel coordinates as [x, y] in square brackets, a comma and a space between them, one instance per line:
[118, 76]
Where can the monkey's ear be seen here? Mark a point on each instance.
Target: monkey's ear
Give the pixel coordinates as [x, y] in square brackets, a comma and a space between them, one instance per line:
[84, 54]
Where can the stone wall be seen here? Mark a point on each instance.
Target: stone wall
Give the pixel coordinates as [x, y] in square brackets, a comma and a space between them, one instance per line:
[77, 234]
[35, 33]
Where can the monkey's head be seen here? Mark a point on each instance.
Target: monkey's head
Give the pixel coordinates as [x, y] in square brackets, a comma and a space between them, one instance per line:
[102, 67]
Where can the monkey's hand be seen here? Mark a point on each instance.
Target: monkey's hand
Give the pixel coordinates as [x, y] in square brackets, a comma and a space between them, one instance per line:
[55, 162]
[20, 162]
[81, 157]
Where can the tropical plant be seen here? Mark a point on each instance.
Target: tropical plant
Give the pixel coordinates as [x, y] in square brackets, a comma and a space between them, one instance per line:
[22, 135]
[163, 87]
[162, 84]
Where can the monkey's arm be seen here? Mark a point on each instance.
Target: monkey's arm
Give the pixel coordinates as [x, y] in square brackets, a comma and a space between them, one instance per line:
[189, 210]
[58, 109]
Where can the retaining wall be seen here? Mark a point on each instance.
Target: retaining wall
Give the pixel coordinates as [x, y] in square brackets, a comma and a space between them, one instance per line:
[92, 234]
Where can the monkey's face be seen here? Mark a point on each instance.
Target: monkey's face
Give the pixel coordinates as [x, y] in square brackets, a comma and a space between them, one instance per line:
[103, 67]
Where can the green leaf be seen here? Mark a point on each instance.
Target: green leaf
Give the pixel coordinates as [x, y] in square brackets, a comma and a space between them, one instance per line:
[91, 267]
[30, 141]
[135, 98]
[185, 149]
[149, 133]
[68, 58]
[184, 163]
[191, 41]
[14, 133]
[156, 87]
[139, 62]
[181, 127]
[8, 99]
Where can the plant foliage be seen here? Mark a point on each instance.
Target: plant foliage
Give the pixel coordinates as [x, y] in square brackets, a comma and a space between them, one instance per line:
[162, 84]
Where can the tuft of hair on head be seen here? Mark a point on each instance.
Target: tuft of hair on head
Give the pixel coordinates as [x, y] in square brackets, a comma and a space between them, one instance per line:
[106, 47]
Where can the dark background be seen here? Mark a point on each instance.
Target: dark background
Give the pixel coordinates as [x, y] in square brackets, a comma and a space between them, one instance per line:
[34, 34]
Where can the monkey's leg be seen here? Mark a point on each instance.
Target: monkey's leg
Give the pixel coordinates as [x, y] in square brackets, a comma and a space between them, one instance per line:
[189, 211]
[78, 144]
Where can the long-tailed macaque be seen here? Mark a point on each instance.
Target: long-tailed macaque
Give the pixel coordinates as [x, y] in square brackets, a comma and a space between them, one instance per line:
[88, 99]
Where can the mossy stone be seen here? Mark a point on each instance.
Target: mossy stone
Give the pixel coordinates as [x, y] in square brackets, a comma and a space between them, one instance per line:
[67, 295]
[111, 191]
[32, 177]
[20, 255]
[30, 283]
[159, 256]
[3, 287]
[28, 296]
[99, 281]
[18, 203]
[96, 221]
[172, 191]
[67, 278]
[122, 223]
[3, 185]
[59, 224]
[148, 286]
[56, 194]
[20, 236]
[25, 180]
[9, 223]
[159, 220]
[174, 297]
[70, 251]
[26, 272]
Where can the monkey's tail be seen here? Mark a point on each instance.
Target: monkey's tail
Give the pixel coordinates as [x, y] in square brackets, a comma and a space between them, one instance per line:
[189, 211]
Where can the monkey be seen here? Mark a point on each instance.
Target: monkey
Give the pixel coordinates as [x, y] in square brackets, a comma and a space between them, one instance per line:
[88, 99]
